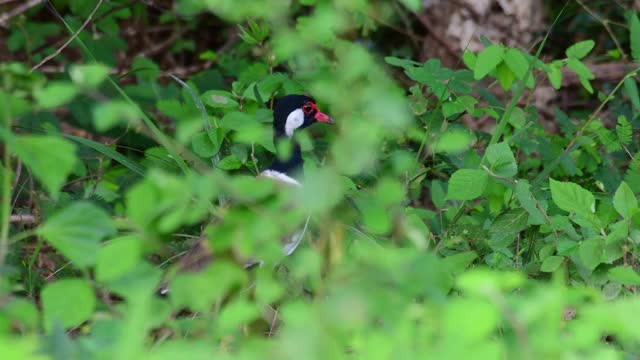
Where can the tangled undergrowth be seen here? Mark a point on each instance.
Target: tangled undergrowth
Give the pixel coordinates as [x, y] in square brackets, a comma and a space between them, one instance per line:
[428, 237]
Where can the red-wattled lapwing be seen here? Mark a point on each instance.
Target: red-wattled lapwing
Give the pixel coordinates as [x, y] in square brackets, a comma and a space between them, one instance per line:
[290, 113]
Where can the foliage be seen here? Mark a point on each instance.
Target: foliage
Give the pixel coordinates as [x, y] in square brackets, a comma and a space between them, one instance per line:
[427, 236]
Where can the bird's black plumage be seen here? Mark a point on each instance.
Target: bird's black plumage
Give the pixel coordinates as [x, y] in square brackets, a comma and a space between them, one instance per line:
[284, 106]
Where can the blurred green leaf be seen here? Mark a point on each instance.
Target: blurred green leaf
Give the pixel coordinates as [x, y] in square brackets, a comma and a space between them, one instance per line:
[551, 263]
[56, 94]
[631, 88]
[624, 275]
[230, 162]
[68, 302]
[76, 231]
[199, 291]
[50, 158]
[219, 99]
[591, 252]
[204, 145]
[117, 257]
[413, 5]
[555, 76]
[110, 114]
[453, 141]
[634, 37]
[88, 75]
[488, 60]
[580, 49]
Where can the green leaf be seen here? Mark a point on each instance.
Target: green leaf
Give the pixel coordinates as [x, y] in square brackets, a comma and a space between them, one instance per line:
[198, 291]
[551, 263]
[501, 160]
[511, 222]
[572, 197]
[236, 314]
[118, 257]
[505, 76]
[89, 75]
[467, 184]
[518, 118]
[109, 114]
[230, 163]
[586, 84]
[591, 252]
[624, 275]
[451, 108]
[77, 230]
[580, 69]
[413, 5]
[145, 69]
[68, 302]
[529, 203]
[555, 76]
[219, 99]
[438, 194]
[625, 201]
[55, 94]
[624, 130]
[488, 60]
[479, 318]
[634, 37]
[204, 146]
[631, 88]
[456, 264]
[469, 59]
[453, 141]
[50, 158]
[516, 62]
[403, 63]
[580, 49]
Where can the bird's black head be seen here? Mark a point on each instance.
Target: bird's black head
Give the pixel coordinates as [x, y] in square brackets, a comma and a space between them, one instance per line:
[293, 112]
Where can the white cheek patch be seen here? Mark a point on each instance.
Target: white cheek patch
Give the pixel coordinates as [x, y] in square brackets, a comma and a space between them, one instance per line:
[294, 121]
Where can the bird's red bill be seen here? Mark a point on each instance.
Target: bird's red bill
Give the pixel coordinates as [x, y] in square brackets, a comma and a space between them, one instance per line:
[322, 117]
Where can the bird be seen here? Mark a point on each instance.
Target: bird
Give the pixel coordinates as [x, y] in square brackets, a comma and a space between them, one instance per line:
[290, 113]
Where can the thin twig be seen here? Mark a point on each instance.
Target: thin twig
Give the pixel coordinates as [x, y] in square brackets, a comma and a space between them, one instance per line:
[57, 271]
[605, 24]
[17, 11]
[57, 52]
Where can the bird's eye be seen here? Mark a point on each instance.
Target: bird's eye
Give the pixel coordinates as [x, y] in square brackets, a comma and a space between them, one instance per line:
[307, 108]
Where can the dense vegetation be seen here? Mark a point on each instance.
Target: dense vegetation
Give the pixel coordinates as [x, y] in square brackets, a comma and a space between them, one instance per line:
[132, 128]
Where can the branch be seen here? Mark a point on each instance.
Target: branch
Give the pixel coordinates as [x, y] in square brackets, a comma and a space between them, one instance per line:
[17, 11]
[57, 52]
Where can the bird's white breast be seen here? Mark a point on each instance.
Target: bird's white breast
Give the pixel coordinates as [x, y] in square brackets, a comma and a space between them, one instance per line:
[281, 177]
